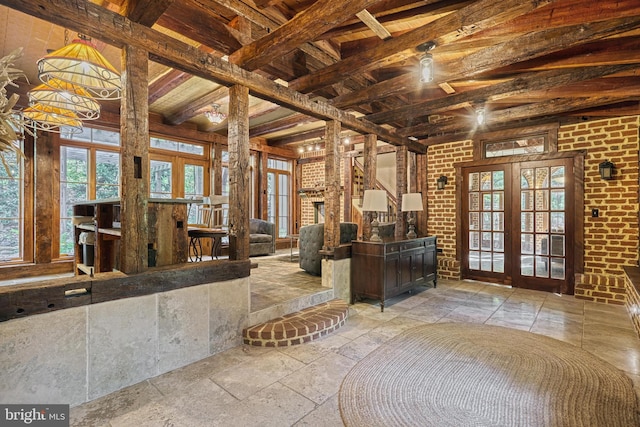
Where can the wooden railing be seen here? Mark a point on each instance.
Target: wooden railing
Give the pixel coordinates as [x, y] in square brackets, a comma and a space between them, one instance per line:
[358, 193]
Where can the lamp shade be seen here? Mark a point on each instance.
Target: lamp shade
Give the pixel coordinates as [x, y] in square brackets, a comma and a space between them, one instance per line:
[81, 64]
[60, 94]
[412, 202]
[374, 201]
[52, 119]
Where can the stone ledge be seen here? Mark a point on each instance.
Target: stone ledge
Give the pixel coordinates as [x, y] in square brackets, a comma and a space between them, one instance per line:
[297, 328]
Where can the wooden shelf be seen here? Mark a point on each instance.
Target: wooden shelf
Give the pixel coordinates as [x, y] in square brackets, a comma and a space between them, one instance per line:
[88, 227]
[110, 231]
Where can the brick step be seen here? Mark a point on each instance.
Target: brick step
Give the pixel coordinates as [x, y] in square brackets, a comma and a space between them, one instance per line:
[300, 327]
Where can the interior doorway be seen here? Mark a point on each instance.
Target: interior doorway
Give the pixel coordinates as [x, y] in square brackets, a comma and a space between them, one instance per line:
[519, 223]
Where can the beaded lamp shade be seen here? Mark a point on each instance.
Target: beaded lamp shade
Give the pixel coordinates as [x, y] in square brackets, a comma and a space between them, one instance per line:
[51, 119]
[66, 96]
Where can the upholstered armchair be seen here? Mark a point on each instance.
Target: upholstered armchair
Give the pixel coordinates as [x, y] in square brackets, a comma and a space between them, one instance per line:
[312, 239]
[262, 237]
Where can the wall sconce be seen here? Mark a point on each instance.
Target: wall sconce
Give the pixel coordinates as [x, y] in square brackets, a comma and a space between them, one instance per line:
[375, 201]
[411, 202]
[442, 181]
[426, 62]
[480, 116]
[606, 170]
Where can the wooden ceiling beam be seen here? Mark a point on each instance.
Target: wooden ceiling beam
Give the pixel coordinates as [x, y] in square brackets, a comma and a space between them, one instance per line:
[305, 26]
[462, 23]
[528, 46]
[194, 108]
[166, 83]
[541, 109]
[374, 25]
[96, 21]
[280, 124]
[145, 12]
[294, 139]
[524, 83]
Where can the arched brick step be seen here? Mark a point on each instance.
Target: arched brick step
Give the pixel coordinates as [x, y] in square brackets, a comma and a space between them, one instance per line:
[300, 327]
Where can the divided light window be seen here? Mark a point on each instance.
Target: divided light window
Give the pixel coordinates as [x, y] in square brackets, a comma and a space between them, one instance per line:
[279, 194]
[89, 169]
[11, 207]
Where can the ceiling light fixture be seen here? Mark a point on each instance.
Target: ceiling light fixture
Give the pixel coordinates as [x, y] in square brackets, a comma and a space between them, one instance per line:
[52, 119]
[214, 115]
[426, 62]
[480, 116]
[66, 96]
[81, 64]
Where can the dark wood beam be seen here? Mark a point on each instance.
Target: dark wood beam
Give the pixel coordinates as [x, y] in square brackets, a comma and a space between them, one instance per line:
[96, 21]
[145, 12]
[281, 124]
[305, 26]
[194, 108]
[528, 46]
[524, 83]
[300, 137]
[462, 23]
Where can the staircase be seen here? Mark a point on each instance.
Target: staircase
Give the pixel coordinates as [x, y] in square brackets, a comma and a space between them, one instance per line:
[300, 327]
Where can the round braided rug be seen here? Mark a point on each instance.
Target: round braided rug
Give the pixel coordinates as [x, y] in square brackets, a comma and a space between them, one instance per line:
[457, 374]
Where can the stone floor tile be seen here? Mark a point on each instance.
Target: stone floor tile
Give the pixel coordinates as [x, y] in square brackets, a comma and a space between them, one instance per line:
[360, 347]
[313, 350]
[320, 379]
[252, 376]
[325, 415]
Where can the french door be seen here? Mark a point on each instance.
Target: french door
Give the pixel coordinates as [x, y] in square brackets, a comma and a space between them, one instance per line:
[517, 224]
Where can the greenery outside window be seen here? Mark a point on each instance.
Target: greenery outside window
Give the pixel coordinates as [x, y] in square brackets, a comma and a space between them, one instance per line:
[11, 208]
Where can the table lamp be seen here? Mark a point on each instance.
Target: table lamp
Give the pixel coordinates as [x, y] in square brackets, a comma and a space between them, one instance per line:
[411, 202]
[375, 201]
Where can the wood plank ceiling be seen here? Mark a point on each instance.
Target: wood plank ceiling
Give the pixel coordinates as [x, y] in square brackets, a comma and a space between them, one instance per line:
[523, 62]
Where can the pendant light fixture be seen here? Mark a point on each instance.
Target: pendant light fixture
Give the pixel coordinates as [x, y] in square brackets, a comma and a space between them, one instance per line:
[66, 96]
[214, 115]
[52, 119]
[80, 63]
[426, 62]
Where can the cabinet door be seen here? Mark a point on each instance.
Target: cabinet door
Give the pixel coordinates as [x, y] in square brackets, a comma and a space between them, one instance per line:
[418, 261]
[392, 275]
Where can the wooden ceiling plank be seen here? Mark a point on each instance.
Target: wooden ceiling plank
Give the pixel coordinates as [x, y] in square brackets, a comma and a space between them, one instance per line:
[96, 21]
[305, 26]
[524, 83]
[528, 46]
[464, 22]
[374, 25]
[194, 108]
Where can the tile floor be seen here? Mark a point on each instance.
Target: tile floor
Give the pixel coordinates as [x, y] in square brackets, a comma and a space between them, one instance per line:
[298, 386]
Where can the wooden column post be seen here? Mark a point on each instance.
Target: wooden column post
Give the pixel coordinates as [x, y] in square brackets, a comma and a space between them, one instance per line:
[401, 188]
[348, 183]
[134, 160]
[332, 186]
[370, 158]
[239, 187]
[298, 199]
[47, 195]
[217, 169]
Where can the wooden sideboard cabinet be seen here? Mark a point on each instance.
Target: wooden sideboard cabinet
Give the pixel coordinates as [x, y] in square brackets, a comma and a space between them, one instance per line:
[384, 270]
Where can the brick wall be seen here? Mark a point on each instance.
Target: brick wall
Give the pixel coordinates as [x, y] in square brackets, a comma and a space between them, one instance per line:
[441, 204]
[610, 241]
[313, 176]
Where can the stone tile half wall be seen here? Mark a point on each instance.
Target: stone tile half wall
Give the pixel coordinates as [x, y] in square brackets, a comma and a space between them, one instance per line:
[79, 354]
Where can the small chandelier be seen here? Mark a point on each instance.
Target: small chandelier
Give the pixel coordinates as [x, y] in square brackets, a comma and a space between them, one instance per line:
[426, 62]
[52, 119]
[65, 96]
[215, 116]
[81, 64]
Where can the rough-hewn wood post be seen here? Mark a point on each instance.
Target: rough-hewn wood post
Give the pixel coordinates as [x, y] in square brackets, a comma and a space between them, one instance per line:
[239, 189]
[217, 169]
[348, 183]
[401, 188]
[262, 186]
[134, 160]
[370, 158]
[332, 185]
[47, 230]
